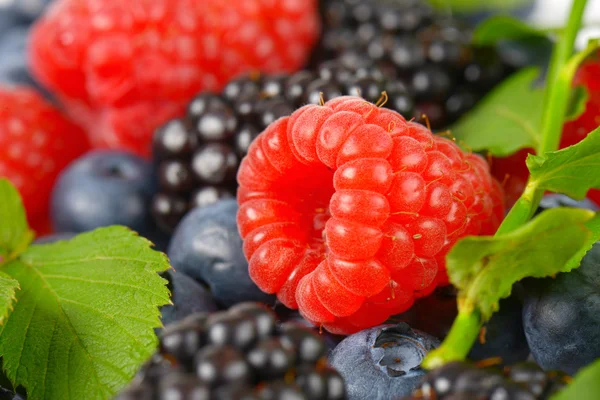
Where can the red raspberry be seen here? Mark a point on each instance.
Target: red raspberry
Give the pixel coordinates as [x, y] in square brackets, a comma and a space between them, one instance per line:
[123, 68]
[513, 171]
[346, 211]
[36, 143]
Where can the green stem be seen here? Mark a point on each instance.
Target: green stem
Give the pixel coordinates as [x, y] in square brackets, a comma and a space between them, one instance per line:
[523, 209]
[556, 101]
[556, 97]
[467, 324]
[460, 339]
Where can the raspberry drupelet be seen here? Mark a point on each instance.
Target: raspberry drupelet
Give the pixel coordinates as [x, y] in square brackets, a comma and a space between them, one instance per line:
[347, 211]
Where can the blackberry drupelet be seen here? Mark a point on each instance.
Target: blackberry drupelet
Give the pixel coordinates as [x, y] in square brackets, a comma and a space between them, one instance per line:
[242, 353]
[459, 380]
[429, 54]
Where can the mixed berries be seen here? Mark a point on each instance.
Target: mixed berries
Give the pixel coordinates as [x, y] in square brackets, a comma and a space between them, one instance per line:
[242, 353]
[123, 68]
[429, 53]
[290, 158]
[347, 211]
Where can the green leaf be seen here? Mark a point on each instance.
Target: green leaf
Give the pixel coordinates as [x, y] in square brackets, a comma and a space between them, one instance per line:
[485, 268]
[585, 386]
[8, 288]
[572, 171]
[507, 119]
[84, 318]
[577, 103]
[503, 27]
[15, 234]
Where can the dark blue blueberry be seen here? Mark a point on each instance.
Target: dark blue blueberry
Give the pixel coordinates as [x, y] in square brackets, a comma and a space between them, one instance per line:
[188, 297]
[29, 10]
[561, 316]
[207, 246]
[560, 200]
[504, 336]
[104, 188]
[54, 237]
[13, 56]
[382, 362]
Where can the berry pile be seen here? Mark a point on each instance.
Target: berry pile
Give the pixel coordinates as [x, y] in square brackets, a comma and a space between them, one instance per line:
[198, 155]
[429, 53]
[123, 68]
[347, 211]
[457, 380]
[238, 354]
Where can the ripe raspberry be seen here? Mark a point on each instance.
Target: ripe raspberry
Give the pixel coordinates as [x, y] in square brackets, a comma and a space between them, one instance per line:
[124, 67]
[513, 171]
[346, 211]
[36, 143]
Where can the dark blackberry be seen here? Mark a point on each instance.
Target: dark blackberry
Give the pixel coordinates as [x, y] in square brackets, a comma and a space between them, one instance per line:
[460, 380]
[430, 54]
[239, 354]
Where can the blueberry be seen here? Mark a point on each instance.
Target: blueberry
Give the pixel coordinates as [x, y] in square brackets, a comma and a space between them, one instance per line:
[207, 246]
[104, 188]
[382, 362]
[504, 335]
[188, 297]
[560, 200]
[29, 10]
[13, 56]
[561, 316]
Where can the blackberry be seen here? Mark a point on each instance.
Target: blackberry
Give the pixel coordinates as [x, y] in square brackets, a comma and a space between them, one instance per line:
[242, 353]
[430, 54]
[460, 380]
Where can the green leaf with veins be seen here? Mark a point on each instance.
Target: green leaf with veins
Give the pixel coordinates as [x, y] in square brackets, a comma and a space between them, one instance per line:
[485, 268]
[585, 385]
[503, 27]
[507, 119]
[15, 234]
[8, 288]
[572, 171]
[85, 315]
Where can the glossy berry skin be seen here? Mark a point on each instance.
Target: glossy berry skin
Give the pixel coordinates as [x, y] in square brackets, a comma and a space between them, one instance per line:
[561, 316]
[461, 380]
[239, 354]
[102, 188]
[383, 362]
[124, 68]
[188, 297]
[36, 143]
[207, 247]
[347, 211]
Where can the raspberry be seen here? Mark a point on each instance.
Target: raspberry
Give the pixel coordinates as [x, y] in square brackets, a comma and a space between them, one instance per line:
[513, 171]
[242, 353]
[123, 68]
[347, 211]
[36, 143]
